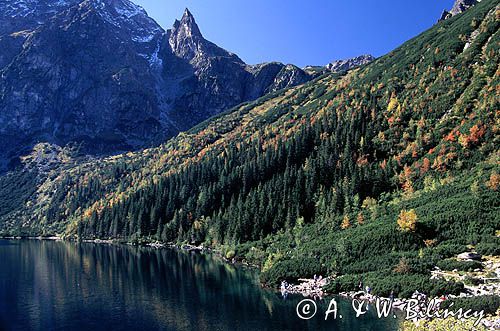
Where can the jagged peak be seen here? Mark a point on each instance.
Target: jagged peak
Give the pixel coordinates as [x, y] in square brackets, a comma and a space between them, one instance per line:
[185, 37]
[187, 26]
[187, 14]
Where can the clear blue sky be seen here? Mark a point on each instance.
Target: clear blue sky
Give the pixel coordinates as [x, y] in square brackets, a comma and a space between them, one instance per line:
[303, 32]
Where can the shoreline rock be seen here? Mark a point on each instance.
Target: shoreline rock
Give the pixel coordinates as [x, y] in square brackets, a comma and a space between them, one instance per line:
[54, 238]
[307, 287]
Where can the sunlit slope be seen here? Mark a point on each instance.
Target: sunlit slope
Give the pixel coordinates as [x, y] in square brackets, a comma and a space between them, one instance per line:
[312, 154]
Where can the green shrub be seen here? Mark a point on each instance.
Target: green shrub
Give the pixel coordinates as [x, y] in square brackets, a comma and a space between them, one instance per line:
[402, 285]
[451, 264]
[448, 249]
[344, 283]
[488, 303]
[488, 249]
[471, 281]
[405, 285]
[291, 270]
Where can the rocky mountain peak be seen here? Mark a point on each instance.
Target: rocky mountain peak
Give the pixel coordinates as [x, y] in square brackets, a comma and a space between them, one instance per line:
[120, 7]
[462, 5]
[104, 74]
[188, 17]
[120, 18]
[187, 42]
[185, 38]
[188, 27]
[459, 7]
[348, 64]
[116, 10]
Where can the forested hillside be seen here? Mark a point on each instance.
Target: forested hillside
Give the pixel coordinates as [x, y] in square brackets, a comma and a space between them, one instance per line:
[359, 174]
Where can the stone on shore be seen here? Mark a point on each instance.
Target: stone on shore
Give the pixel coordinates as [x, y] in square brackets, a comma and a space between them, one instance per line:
[469, 256]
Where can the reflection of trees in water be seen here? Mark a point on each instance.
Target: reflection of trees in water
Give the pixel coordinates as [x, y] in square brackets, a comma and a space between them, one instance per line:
[174, 285]
[108, 285]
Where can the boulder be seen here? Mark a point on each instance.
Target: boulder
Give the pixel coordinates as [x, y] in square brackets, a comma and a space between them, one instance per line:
[469, 256]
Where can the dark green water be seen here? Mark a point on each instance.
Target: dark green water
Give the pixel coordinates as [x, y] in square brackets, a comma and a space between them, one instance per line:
[48, 285]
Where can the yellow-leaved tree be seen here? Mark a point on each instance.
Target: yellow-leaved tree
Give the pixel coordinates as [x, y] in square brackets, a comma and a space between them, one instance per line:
[346, 222]
[407, 220]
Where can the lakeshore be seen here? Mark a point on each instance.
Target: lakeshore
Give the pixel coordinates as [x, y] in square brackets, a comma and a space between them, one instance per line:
[315, 288]
[99, 286]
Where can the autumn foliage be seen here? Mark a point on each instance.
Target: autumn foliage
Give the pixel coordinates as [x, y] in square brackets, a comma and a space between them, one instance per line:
[407, 220]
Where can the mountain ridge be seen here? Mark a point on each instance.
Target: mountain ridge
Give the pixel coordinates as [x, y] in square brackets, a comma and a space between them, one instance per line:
[280, 119]
[148, 85]
[376, 176]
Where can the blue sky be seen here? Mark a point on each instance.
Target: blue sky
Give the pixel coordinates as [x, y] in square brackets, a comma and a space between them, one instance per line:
[303, 32]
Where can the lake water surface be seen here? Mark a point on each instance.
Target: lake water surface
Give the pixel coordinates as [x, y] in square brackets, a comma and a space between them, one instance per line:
[46, 285]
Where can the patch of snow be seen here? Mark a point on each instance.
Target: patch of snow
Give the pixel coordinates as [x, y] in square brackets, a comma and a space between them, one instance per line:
[143, 39]
[155, 61]
[61, 3]
[20, 8]
[108, 18]
[128, 9]
[24, 8]
[124, 14]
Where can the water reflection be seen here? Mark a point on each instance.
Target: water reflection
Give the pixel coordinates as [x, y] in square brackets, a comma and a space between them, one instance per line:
[66, 286]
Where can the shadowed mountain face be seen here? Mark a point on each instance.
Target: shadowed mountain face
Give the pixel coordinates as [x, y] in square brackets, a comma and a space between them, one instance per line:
[17, 15]
[210, 79]
[104, 74]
